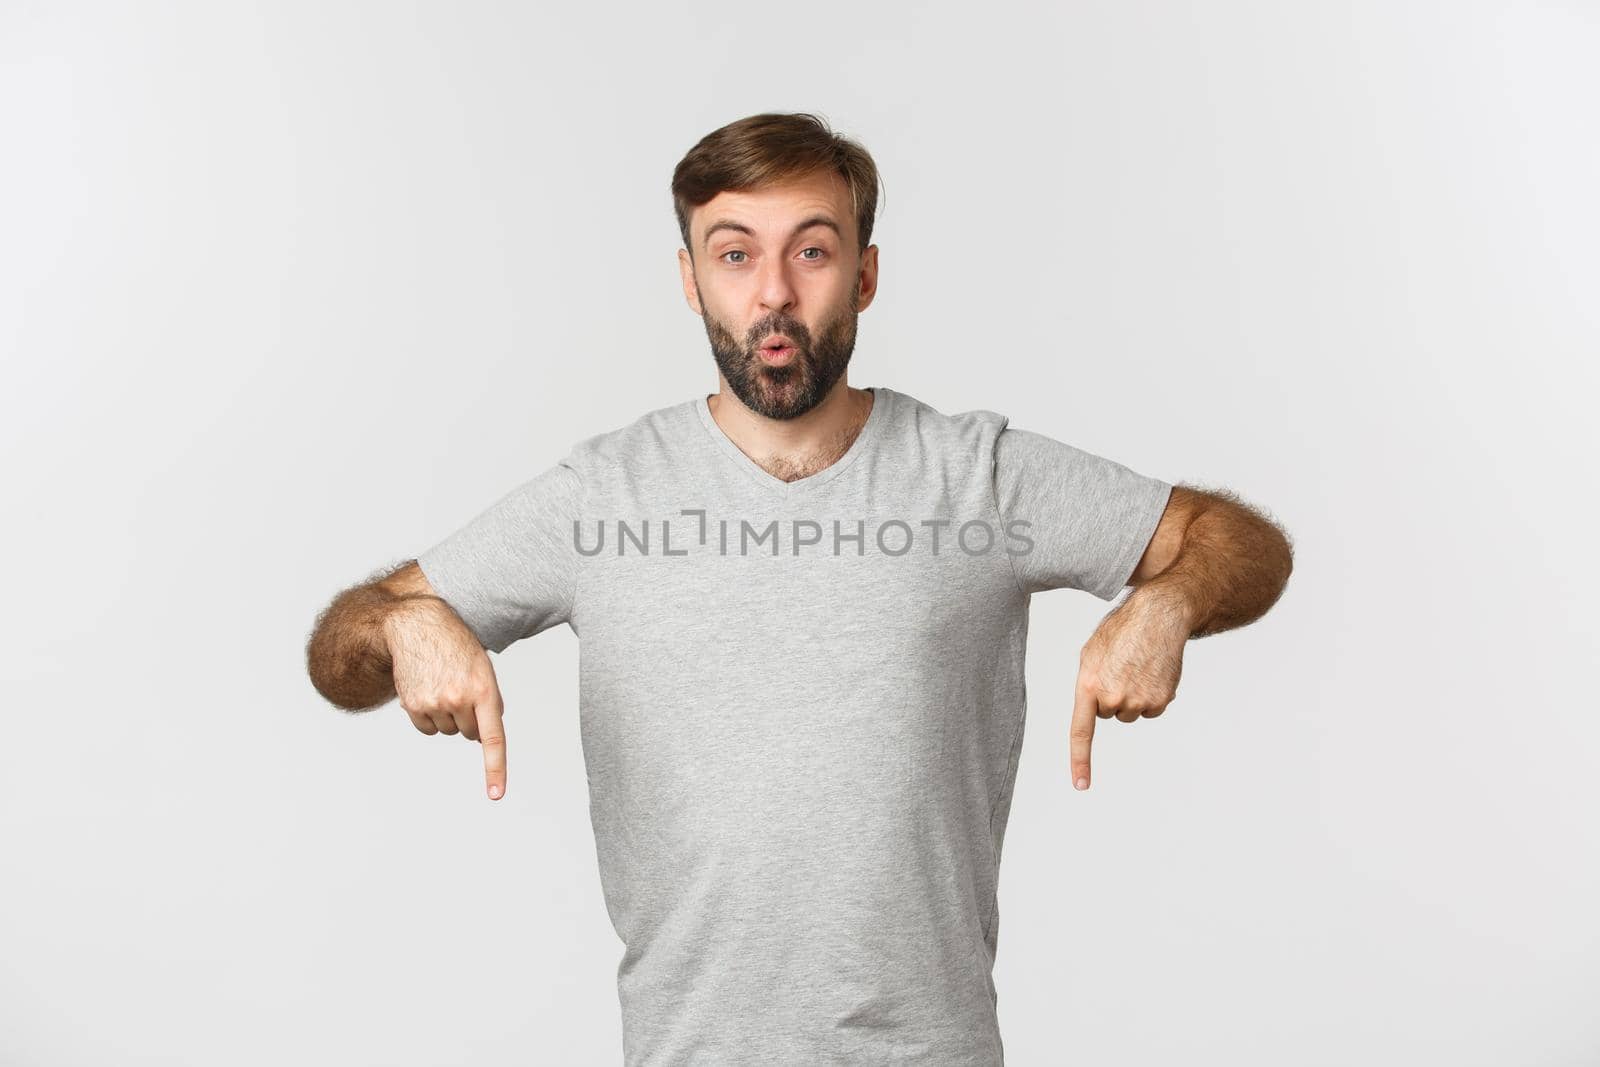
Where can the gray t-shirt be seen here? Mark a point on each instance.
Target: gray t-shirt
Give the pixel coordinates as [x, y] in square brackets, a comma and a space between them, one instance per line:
[801, 705]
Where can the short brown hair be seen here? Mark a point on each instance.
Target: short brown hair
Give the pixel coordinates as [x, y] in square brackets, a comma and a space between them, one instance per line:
[767, 149]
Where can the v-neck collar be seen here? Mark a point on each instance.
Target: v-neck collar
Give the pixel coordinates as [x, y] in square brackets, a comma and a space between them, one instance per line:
[881, 398]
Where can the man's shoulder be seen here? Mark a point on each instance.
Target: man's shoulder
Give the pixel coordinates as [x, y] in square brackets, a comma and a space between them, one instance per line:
[969, 430]
[657, 432]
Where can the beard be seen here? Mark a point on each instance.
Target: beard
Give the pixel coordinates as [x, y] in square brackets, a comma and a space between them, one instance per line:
[789, 391]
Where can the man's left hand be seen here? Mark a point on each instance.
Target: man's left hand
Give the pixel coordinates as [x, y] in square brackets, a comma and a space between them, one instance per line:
[1128, 669]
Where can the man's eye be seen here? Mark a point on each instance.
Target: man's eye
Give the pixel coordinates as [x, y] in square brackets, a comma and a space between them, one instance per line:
[821, 253]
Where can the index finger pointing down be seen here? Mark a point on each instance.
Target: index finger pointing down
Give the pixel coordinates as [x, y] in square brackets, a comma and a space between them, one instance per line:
[1081, 733]
[490, 712]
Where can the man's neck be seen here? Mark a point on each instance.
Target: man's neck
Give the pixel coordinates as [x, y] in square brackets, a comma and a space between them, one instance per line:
[791, 449]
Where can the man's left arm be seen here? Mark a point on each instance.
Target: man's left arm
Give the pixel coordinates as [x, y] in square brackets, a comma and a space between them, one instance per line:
[1215, 560]
[1213, 564]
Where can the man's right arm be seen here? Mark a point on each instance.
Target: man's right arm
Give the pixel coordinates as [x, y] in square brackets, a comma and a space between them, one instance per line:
[425, 638]
[348, 656]
[397, 636]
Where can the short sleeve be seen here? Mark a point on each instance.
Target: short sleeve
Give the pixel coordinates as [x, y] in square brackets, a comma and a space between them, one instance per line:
[1089, 519]
[512, 571]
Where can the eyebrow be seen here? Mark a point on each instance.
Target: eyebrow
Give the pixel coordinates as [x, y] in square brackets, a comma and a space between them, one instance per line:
[815, 220]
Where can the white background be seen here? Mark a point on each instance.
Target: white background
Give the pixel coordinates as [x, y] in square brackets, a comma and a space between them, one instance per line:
[289, 292]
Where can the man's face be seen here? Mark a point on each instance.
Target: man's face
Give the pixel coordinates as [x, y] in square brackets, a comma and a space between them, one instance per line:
[768, 267]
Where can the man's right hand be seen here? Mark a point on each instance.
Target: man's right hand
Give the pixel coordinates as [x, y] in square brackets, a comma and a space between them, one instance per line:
[445, 682]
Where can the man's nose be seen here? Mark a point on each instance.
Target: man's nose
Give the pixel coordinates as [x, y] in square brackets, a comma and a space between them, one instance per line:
[776, 288]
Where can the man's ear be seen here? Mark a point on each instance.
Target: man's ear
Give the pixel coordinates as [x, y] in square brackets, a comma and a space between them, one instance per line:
[868, 277]
[691, 290]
